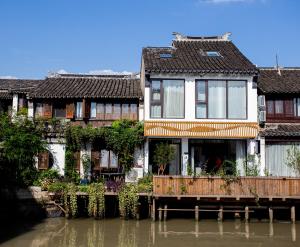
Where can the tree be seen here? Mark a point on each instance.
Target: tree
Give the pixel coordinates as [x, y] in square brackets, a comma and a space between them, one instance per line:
[164, 153]
[21, 140]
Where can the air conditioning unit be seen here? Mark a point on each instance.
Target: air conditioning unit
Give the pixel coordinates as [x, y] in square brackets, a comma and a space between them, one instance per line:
[261, 100]
[262, 116]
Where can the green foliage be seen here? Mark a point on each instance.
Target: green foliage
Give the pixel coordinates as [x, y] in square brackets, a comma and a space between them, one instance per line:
[46, 178]
[70, 199]
[21, 140]
[122, 138]
[145, 184]
[86, 162]
[293, 158]
[252, 166]
[128, 200]
[57, 187]
[190, 171]
[96, 206]
[163, 154]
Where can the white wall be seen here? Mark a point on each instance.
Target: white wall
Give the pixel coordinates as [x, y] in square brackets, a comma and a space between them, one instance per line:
[58, 151]
[15, 104]
[190, 97]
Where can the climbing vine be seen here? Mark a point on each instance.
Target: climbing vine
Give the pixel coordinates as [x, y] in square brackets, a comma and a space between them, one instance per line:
[128, 200]
[96, 206]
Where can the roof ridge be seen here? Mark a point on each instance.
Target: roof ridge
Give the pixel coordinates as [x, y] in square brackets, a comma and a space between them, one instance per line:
[281, 68]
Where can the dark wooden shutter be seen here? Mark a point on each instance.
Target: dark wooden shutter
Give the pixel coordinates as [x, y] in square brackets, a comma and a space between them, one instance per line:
[47, 110]
[289, 108]
[95, 159]
[77, 160]
[70, 110]
[86, 105]
[43, 161]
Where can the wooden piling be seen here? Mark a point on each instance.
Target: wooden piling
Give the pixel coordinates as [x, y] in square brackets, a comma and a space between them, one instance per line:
[165, 212]
[153, 209]
[159, 214]
[271, 215]
[196, 213]
[293, 214]
[220, 216]
[247, 214]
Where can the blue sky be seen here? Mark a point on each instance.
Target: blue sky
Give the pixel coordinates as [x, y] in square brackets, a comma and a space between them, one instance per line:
[82, 36]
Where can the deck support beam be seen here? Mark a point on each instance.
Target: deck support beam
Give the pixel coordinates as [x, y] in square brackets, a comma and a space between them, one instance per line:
[293, 214]
[196, 213]
[165, 212]
[271, 214]
[247, 214]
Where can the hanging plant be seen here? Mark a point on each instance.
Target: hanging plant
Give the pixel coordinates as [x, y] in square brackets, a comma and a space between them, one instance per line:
[128, 200]
[70, 200]
[96, 206]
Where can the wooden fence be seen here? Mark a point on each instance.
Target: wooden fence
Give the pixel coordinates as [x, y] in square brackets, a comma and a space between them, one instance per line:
[262, 187]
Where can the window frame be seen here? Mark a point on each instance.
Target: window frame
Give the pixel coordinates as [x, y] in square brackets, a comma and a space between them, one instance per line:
[76, 116]
[54, 107]
[160, 101]
[207, 96]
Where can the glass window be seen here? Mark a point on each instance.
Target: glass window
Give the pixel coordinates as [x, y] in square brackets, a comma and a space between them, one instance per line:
[201, 94]
[125, 108]
[59, 110]
[117, 111]
[155, 111]
[155, 90]
[201, 110]
[278, 106]
[113, 160]
[108, 108]
[237, 99]
[79, 110]
[297, 107]
[270, 107]
[104, 159]
[39, 110]
[100, 111]
[93, 110]
[173, 101]
[133, 108]
[217, 99]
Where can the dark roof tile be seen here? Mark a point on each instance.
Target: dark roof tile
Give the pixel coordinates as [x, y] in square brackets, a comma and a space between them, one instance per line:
[282, 130]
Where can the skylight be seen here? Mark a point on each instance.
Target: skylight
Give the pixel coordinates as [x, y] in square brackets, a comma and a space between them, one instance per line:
[212, 54]
[165, 55]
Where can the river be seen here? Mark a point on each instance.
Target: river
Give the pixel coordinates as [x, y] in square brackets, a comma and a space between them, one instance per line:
[59, 232]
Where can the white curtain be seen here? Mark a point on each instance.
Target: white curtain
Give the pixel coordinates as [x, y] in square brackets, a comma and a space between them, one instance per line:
[217, 99]
[173, 98]
[113, 160]
[240, 156]
[93, 110]
[276, 158]
[79, 110]
[237, 99]
[104, 159]
[156, 111]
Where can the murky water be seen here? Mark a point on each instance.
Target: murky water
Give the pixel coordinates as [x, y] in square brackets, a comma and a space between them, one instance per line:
[59, 232]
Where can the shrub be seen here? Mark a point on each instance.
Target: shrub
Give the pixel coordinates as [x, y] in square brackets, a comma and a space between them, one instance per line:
[57, 187]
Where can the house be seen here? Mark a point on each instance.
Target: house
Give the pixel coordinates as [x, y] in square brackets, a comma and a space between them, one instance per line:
[279, 103]
[83, 100]
[200, 96]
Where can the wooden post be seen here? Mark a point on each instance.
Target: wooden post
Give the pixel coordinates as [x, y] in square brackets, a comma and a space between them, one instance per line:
[293, 214]
[165, 212]
[220, 217]
[246, 214]
[159, 214]
[197, 213]
[271, 215]
[153, 209]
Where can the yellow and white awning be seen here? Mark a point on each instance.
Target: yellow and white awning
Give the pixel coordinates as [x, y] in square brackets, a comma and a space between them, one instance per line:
[201, 129]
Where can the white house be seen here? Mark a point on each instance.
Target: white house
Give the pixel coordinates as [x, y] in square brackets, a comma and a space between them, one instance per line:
[200, 95]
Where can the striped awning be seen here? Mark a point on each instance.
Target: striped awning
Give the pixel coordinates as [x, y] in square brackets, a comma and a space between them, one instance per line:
[201, 129]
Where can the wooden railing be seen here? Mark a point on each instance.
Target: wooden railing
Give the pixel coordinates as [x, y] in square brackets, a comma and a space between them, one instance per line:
[262, 187]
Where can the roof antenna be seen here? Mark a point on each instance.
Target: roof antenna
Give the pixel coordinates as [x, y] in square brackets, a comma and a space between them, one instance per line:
[277, 65]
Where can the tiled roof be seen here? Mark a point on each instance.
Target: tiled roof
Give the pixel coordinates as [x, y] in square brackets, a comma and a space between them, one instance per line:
[5, 95]
[189, 56]
[85, 86]
[271, 82]
[19, 85]
[282, 130]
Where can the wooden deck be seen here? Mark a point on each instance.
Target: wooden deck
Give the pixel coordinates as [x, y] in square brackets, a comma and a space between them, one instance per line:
[242, 187]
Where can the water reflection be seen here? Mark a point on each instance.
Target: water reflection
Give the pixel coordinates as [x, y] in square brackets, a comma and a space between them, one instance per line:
[120, 233]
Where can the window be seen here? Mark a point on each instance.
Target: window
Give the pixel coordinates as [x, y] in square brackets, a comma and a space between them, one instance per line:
[297, 107]
[278, 106]
[282, 108]
[93, 110]
[125, 110]
[108, 159]
[212, 54]
[167, 99]
[117, 111]
[59, 110]
[100, 111]
[79, 109]
[38, 110]
[165, 55]
[221, 99]
[133, 111]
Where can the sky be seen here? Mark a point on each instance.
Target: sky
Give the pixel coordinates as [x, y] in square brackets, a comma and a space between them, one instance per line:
[38, 37]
